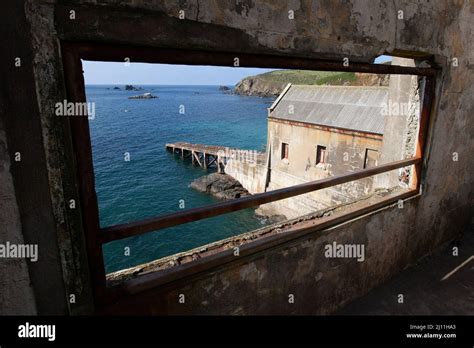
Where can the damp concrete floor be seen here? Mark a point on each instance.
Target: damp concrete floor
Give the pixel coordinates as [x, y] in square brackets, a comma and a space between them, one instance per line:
[439, 284]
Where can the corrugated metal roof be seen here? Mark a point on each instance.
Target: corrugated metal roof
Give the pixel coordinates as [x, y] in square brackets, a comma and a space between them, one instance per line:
[348, 107]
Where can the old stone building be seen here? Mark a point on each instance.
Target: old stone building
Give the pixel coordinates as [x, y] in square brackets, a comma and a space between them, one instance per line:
[315, 132]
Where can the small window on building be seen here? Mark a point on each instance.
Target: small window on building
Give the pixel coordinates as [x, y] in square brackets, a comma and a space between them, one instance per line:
[284, 150]
[371, 157]
[321, 154]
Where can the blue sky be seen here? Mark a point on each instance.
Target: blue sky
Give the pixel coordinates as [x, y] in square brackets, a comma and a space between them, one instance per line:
[165, 74]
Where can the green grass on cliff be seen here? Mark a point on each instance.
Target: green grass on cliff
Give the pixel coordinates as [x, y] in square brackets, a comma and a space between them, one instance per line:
[305, 77]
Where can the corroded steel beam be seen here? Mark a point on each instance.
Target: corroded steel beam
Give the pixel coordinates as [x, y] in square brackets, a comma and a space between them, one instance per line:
[121, 231]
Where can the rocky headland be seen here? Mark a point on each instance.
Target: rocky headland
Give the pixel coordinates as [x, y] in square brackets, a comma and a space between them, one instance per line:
[256, 86]
[271, 84]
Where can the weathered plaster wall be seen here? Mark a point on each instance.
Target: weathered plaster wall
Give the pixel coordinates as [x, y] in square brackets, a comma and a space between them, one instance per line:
[42, 180]
[16, 292]
[319, 285]
[357, 29]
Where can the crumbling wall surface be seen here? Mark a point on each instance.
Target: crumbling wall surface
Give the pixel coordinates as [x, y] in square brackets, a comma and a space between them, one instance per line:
[31, 85]
[58, 158]
[356, 29]
[268, 283]
[16, 292]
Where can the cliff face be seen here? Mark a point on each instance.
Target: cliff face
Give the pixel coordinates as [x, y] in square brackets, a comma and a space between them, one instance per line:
[271, 85]
[256, 86]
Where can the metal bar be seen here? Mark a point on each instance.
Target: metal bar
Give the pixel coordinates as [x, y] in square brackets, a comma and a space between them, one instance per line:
[111, 233]
[146, 54]
[175, 277]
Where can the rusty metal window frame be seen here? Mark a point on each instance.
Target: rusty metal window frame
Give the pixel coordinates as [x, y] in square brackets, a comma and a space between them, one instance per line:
[73, 52]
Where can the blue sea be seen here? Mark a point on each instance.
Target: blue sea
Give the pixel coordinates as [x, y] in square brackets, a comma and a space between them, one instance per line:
[154, 181]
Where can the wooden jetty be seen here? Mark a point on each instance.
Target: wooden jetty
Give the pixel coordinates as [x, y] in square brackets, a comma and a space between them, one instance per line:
[205, 156]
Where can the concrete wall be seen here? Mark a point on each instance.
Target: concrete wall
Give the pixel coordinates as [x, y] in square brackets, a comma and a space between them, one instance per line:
[16, 291]
[402, 115]
[252, 176]
[345, 153]
[357, 29]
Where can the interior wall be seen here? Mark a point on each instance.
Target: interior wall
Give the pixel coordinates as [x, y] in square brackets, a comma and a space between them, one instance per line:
[15, 286]
[357, 29]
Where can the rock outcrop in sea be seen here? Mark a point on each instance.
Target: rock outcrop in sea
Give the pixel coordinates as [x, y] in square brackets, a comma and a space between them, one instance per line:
[221, 186]
[143, 96]
[132, 88]
[225, 89]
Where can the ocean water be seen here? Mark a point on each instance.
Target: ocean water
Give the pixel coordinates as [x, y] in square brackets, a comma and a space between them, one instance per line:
[154, 181]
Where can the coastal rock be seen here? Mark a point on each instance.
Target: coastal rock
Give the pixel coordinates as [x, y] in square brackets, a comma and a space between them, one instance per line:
[117, 88]
[256, 86]
[225, 89]
[221, 186]
[272, 219]
[143, 96]
[269, 215]
[132, 88]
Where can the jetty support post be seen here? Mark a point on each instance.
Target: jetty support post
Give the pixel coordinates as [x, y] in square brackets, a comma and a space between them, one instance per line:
[196, 158]
[220, 170]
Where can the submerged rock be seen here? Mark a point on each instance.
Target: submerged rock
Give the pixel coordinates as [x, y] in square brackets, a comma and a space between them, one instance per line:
[143, 96]
[221, 186]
